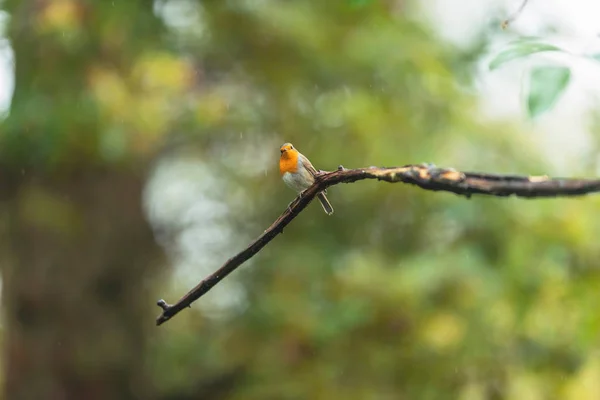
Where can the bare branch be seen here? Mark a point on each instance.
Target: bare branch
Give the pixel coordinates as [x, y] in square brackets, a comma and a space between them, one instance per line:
[426, 176]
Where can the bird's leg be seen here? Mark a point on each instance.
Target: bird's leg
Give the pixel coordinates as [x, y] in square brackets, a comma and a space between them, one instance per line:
[291, 204]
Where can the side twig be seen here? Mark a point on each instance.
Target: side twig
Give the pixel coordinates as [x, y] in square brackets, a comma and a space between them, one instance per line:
[513, 17]
[425, 176]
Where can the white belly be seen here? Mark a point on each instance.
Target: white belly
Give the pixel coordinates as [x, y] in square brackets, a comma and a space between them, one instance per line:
[298, 181]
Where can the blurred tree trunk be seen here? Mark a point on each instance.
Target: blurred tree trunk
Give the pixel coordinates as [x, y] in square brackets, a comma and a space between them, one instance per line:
[82, 256]
[76, 306]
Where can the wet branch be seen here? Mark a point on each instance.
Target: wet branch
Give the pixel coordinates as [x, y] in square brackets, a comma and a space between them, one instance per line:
[426, 176]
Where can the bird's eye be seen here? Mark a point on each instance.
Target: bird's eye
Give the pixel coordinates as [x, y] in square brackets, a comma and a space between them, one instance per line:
[291, 147]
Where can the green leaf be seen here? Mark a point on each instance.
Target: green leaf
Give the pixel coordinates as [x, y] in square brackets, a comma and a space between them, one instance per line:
[546, 85]
[520, 50]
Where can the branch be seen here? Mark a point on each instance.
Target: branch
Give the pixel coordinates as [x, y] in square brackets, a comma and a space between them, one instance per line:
[425, 176]
[513, 17]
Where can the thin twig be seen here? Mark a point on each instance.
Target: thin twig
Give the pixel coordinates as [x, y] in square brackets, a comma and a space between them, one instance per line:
[425, 176]
[513, 17]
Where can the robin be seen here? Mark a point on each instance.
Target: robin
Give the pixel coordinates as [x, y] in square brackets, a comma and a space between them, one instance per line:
[298, 173]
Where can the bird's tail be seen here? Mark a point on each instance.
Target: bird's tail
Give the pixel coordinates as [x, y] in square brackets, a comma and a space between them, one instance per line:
[325, 203]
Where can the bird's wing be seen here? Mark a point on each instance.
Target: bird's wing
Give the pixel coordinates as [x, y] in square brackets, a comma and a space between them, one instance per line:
[307, 164]
[309, 167]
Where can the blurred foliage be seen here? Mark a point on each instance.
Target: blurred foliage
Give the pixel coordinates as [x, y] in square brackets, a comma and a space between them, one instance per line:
[546, 83]
[546, 86]
[401, 293]
[520, 49]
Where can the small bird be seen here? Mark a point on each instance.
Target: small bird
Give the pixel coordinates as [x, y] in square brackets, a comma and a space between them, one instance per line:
[298, 173]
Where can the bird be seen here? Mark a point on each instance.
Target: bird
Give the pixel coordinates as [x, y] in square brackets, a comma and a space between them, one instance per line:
[298, 173]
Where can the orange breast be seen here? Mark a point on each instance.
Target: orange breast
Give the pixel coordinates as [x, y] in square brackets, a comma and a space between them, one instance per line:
[288, 162]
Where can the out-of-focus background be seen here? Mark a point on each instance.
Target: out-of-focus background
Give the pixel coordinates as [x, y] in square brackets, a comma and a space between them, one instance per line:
[138, 151]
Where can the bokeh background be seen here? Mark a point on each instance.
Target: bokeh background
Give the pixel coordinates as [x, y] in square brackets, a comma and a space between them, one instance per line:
[138, 151]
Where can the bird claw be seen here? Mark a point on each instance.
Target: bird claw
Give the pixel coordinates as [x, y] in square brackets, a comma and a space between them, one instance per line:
[289, 207]
[293, 202]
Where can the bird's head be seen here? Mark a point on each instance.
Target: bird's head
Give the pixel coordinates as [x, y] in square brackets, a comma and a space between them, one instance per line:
[286, 147]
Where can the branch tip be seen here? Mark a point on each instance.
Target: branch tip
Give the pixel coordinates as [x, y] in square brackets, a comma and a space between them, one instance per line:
[505, 24]
[163, 304]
